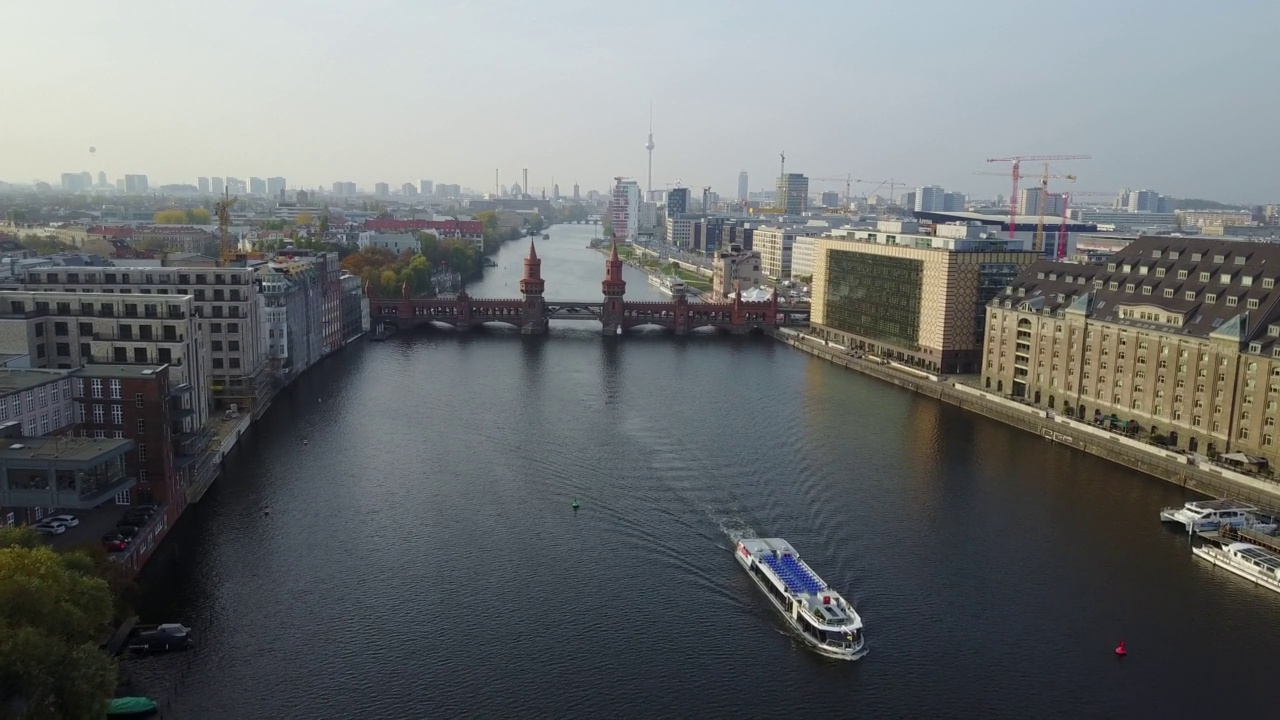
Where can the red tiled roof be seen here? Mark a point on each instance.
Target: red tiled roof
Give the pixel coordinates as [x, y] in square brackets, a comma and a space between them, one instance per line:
[112, 231]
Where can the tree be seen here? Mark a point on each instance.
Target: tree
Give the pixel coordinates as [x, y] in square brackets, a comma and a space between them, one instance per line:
[199, 216]
[172, 216]
[45, 245]
[303, 219]
[536, 223]
[98, 246]
[324, 226]
[52, 609]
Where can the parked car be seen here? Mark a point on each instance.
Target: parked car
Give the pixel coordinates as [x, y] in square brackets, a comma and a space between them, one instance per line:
[136, 517]
[49, 528]
[114, 542]
[68, 520]
[126, 531]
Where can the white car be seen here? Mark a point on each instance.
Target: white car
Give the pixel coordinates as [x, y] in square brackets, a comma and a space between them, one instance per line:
[68, 520]
[49, 528]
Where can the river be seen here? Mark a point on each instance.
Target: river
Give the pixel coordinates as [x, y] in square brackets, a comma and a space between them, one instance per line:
[422, 559]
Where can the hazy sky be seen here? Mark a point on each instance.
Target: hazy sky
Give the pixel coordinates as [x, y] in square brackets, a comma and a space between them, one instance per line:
[1179, 96]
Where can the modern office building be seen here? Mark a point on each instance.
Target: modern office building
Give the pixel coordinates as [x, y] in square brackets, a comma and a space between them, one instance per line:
[625, 207]
[1181, 336]
[135, 183]
[954, 202]
[381, 189]
[792, 196]
[930, 198]
[215, 185]
[202, 184]
[257, 186]
[426, 187]
[775, 244]
[830, 199]
[677, 201]
[77, 182]
[804, 250]
[918, 299]
[227, 300]
[744, 190]
[275, 187]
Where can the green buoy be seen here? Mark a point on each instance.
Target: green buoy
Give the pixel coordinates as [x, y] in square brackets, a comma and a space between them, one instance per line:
[575, 504]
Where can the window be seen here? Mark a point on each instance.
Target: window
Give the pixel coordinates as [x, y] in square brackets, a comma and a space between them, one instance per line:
[1204, 277]
[142, 426]
[42, 396]
[217, 363]
[1168, 292]
[233, 345]
[79, 412]
[137, 400]
[1211, 297]
[29, 400]
[142, 452]
[234, 362]
[115, 389]
[1268, 283]
[1267, 440]
[96, 385]
[1182, 274]
[99, 414]
[1189, 295]
[1251, 303]
[1255, 347]
[1231, 300]
[215, 327]
[117, 434]
[142, 475]
[216, 345]
[117, 415]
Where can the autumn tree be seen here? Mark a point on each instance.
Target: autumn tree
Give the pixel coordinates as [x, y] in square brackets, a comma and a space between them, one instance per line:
[172, 216]
[199, 216]
[52, 609]
[303, 219]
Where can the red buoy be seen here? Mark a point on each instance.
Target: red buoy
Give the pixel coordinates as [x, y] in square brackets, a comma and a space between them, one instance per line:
[1120, 651]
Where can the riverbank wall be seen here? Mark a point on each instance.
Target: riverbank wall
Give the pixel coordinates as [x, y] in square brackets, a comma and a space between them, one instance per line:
[1179, 468]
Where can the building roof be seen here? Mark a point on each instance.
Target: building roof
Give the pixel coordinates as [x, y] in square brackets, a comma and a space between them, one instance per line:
[1151, 265]
[13, 380]
[121, 371]
[1025, 222]
[70, 449]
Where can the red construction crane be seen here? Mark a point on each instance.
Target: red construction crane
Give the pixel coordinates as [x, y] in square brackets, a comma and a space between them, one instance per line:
[1017, 161]
[1062, 229]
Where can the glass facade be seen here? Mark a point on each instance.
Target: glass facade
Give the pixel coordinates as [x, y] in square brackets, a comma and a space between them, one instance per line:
[992, 279]
[874, 296]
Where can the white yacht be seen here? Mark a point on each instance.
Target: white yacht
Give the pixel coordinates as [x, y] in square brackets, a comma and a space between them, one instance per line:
[1246, 560]
[822, 617]
[1208, 515]
[669, 284]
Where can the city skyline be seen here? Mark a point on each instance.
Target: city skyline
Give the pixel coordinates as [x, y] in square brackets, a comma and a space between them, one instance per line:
[561, 120]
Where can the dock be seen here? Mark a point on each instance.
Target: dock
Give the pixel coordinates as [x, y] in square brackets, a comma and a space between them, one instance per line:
[1228, 535]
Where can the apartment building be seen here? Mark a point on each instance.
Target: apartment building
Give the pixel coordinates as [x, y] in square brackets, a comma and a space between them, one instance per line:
[293, 313]
[74, 330]
[918, 299]
[226, 302]
[1179, 335]
[355, 308]
[733, 268]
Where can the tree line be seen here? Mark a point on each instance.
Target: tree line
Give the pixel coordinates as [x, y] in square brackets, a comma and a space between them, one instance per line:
[178, 216]
[387, 273]
[54, 607]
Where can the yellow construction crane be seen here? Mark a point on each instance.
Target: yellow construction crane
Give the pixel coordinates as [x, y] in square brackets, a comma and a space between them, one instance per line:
[223, 210]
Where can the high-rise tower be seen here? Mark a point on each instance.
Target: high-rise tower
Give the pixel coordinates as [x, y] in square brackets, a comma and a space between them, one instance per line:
[534, 317]
[648, 190]
[613, 287]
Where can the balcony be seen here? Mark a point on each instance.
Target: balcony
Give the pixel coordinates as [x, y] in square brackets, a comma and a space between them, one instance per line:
[133, 337]
[180, 390]
[194, 443]
[78, 473]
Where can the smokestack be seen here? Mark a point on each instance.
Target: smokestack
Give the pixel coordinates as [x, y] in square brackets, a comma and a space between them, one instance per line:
[525, 184]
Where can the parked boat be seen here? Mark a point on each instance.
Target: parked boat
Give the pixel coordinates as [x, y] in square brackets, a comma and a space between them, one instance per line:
[1208, 515]
[669, 284]
[545, 236]
[131, 707]
[1247, 560]
[160, 638]
[825, 620]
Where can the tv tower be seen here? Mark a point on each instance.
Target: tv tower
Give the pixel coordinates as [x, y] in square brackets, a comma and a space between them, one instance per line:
[649, 146]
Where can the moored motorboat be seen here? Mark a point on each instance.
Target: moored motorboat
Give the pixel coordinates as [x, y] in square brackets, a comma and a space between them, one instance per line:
[1257, 564]
[825, 620]
[131, 707]
[1209, 515]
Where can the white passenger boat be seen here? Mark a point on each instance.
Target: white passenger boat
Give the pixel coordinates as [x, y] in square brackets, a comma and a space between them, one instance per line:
[822, 617]
[1208, 515]
[1246, 560]
[669, 284]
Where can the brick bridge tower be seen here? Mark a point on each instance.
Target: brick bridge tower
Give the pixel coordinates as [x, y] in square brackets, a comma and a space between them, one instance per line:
[533, 319]
[611, 315]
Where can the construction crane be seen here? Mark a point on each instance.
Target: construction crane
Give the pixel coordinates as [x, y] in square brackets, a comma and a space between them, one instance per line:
[223, 210]
[1017, 161]
[849, 181]
[1062, 228]
[1038, 241]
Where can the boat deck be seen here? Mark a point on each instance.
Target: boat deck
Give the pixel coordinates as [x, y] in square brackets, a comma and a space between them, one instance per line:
[1227, 536]
[798, 579]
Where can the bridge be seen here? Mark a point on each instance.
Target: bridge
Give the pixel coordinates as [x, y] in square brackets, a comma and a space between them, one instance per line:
[531, 312]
